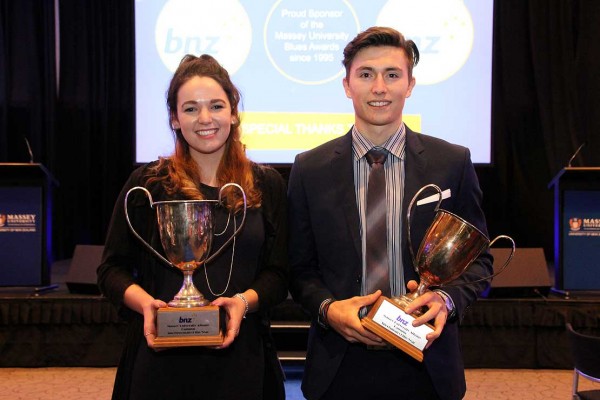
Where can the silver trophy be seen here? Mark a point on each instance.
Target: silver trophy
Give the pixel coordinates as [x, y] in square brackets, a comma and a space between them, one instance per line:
[449, 246]
[186, 233]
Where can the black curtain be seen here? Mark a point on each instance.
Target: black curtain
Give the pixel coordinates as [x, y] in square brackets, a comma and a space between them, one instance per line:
[27, 80]
[95, 117]
[546, 99]
[546, 92]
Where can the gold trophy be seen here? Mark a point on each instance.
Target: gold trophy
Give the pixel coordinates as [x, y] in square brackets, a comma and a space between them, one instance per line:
[449, 246]
[186, 233]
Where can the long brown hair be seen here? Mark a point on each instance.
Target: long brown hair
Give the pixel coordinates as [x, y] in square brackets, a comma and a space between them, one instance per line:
[182, 171]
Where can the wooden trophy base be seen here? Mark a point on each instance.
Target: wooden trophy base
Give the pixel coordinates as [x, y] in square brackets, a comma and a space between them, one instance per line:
[387, 320]
[195, 326]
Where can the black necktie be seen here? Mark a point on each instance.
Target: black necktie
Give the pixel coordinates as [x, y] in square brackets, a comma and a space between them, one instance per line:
[378, 274]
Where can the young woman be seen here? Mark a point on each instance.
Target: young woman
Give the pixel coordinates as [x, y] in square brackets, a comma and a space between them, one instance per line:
[247, 279]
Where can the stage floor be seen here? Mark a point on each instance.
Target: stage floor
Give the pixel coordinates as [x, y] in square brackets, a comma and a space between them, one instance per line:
[97, 383]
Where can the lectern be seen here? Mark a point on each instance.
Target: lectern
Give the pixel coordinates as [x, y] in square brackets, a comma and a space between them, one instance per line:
[25, 224]
[577, 230]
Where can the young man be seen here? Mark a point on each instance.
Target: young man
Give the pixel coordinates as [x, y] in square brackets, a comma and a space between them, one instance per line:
[327, 201]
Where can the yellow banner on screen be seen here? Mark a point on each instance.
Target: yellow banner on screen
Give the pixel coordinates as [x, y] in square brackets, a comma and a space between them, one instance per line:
[275, 131]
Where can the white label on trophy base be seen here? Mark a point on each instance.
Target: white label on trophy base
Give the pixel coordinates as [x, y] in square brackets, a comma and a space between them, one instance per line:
[187, 323]
[399, 323]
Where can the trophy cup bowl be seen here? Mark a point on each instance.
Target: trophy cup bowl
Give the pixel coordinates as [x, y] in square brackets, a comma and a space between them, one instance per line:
[449, 246]
[186, 233]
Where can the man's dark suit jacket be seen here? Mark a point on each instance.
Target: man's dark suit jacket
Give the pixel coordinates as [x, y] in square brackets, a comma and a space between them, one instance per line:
[325, 246]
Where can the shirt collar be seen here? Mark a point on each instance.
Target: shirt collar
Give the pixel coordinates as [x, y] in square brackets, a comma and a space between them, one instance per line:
[395, 144]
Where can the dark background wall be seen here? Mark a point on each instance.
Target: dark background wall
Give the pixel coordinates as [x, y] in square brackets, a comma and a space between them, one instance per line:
[546, 102]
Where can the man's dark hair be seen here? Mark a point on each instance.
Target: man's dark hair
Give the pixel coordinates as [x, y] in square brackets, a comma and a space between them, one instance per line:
[381, 36]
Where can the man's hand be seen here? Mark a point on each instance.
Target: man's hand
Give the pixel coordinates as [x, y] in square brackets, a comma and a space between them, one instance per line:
[342, 316]
[436, 311]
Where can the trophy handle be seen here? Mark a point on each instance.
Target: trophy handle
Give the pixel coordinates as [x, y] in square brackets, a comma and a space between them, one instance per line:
[408, 219]
[512, 253]
[133, 229]
[238, 230]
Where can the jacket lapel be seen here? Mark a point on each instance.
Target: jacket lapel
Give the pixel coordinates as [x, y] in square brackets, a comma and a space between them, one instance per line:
[342, 162]
[414, 179]
[415, 168]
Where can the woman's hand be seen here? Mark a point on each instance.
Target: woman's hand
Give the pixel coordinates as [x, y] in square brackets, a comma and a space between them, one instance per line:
[140, 301]
[235, 308]
[149, 312]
